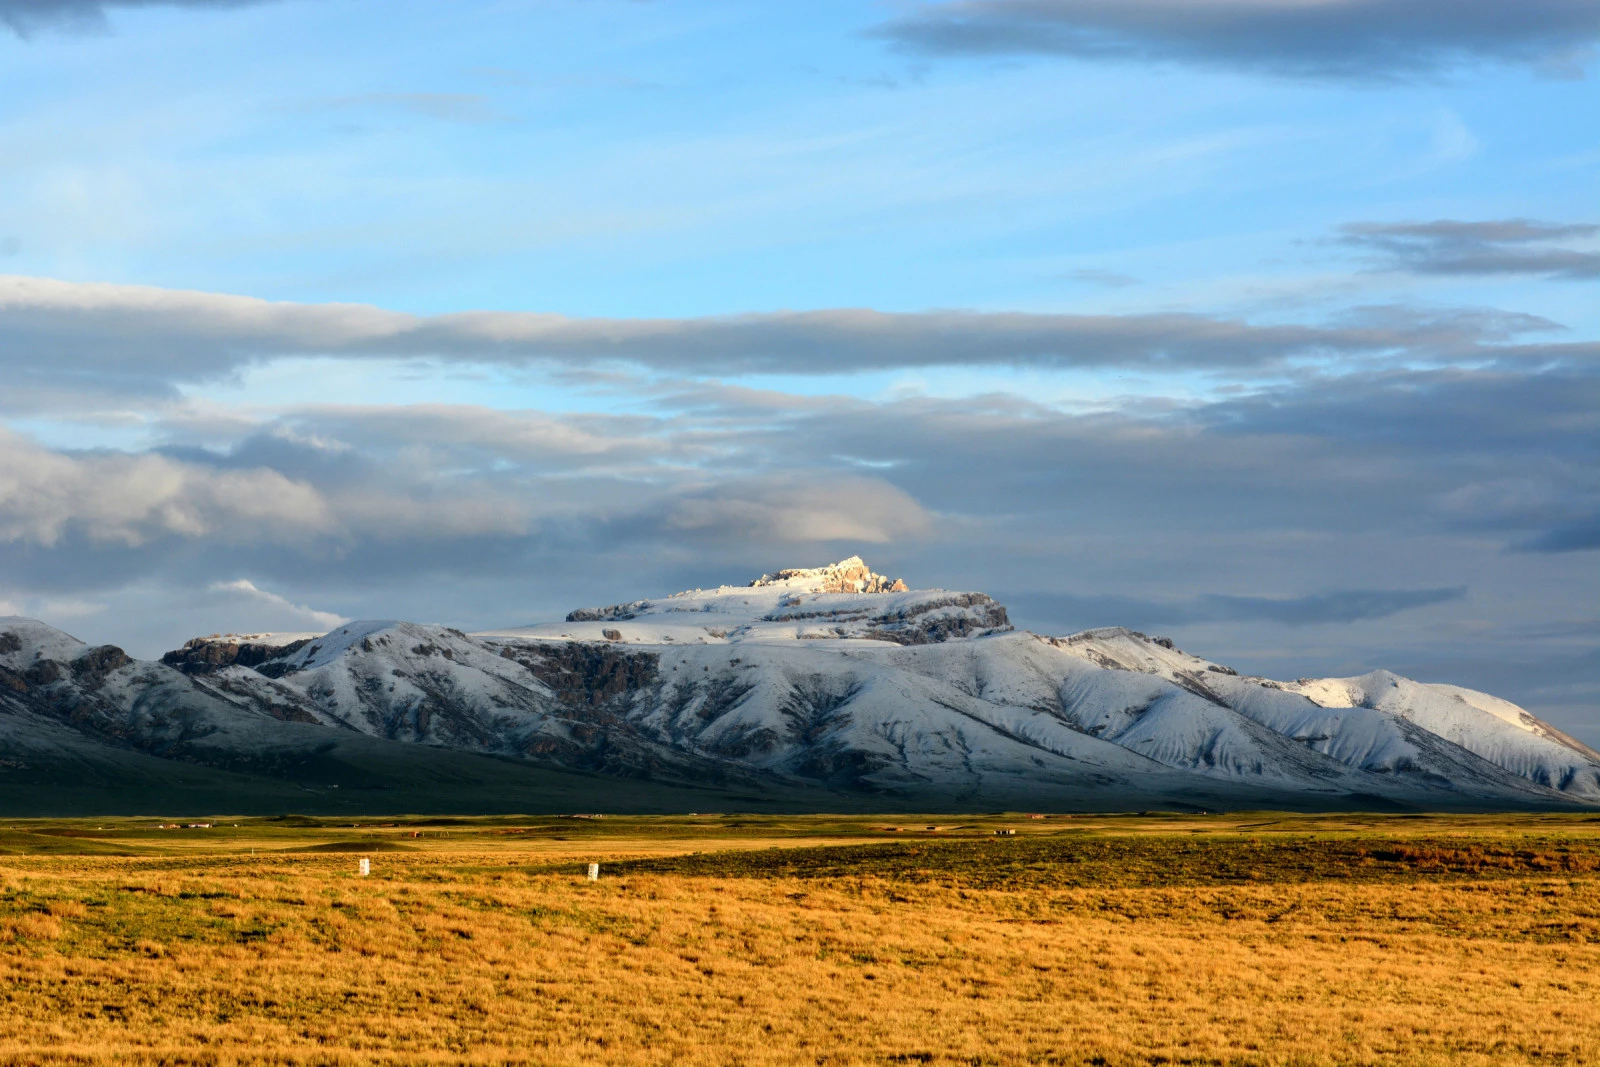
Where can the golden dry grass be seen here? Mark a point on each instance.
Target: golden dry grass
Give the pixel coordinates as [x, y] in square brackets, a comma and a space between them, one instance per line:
[484, 946]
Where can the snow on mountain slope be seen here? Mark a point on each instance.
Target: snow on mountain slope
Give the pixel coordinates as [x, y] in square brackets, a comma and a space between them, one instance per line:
[1379, 722]
[847, 679]
[433, 685]
[785, 708]
[1516, 716]
[895, 727]
[1217, 731]
[1518, 742]
[26, 642]
[847, 716]
[1144, 714]
[105, 695]
[90, 730]
[101, 691]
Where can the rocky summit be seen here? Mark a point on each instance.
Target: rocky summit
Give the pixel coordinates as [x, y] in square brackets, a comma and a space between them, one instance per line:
[847, 576]
[825, 688]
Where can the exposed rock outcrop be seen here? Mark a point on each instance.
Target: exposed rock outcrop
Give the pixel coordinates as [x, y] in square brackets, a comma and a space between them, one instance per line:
[613, 612]
[847, 576]
[206, 655]
[923, 622]
[587, 675]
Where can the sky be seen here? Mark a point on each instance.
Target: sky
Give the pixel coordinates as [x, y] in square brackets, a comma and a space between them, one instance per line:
[1272, 326]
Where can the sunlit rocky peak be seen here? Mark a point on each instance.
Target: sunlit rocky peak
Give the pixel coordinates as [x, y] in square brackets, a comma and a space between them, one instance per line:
[847, 576]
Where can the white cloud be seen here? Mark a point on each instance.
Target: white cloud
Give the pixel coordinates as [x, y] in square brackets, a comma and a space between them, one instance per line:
[325, 620]
[129, 499]
[134, 499]
[800, 509]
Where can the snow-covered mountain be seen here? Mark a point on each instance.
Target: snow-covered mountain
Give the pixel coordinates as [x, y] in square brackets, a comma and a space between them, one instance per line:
[90, 730]
[847, 683]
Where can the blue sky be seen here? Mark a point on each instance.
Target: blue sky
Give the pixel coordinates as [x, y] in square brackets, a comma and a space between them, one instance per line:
[1271, 325]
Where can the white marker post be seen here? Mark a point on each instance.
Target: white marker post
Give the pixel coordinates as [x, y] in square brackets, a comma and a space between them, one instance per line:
[594, 872]
[364, 867]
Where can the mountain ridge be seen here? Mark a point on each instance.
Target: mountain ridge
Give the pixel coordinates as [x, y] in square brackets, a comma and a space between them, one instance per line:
[823, 687]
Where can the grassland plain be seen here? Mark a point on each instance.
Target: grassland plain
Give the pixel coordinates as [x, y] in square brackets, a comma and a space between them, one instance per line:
[1261, 939]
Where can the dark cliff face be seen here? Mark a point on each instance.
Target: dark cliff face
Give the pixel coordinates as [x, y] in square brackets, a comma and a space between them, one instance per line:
[586, 675]
[205, 655]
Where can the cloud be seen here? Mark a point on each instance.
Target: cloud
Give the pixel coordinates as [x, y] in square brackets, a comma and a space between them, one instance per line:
[439, 488]
[1582, 535]
[1352, 605]
[325, 620]
[1503, 454]
[28, 17]
[462, 434]
[146, 341]
[797, 509]
[58, 608]
[1361, 39]
[130, 499]
[112, 498]
[1510, 246]
[1340, 606]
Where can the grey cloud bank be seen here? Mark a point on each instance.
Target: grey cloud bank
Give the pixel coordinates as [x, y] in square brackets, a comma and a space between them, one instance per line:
[1361, 39]
[1512, 246]
[1582, 535]
[1342, 606]
[27, 17]
[143, 339]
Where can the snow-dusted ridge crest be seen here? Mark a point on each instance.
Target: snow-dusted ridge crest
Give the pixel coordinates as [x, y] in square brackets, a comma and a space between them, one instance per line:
[843, 600]
[842, 680]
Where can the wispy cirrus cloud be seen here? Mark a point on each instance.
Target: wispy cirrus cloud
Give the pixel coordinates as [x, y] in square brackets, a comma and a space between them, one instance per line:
[1502, 247]
[1355, 39]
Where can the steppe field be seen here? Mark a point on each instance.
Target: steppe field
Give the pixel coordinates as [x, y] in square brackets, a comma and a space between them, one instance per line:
[725, 939]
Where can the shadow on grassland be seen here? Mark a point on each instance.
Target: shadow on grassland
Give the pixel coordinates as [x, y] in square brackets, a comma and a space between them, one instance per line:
[376, 844]
[1077, 861]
